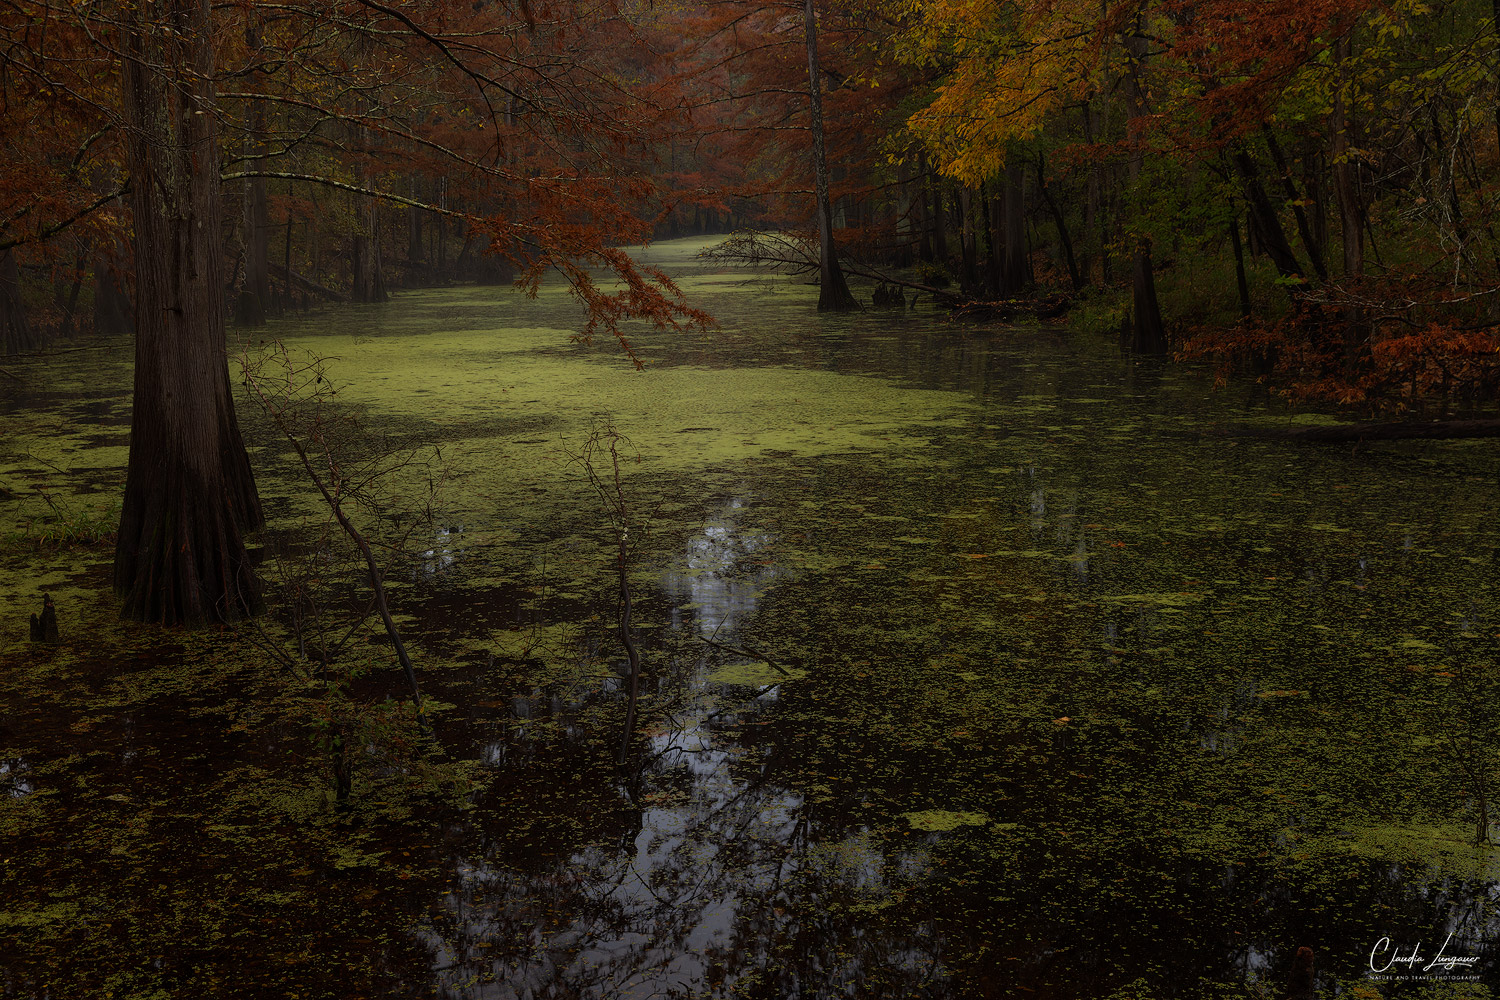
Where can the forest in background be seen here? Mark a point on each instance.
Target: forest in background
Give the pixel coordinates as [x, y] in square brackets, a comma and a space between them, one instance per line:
[1298, 191]
[1299, 188]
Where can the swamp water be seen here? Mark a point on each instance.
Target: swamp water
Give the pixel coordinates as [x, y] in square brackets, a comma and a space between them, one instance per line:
[972, 669]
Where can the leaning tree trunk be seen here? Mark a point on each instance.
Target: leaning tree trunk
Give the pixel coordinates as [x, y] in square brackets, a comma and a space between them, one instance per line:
[189, 493]
[833, 290]
[1267, 223]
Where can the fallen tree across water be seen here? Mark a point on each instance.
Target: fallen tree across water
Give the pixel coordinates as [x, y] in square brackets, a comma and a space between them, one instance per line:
[791, 253]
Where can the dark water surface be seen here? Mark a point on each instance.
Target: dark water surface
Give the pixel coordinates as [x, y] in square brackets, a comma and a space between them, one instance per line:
[973, 668]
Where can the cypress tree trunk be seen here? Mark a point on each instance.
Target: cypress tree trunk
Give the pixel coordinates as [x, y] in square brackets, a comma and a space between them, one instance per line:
[189, 493]
[833, 290]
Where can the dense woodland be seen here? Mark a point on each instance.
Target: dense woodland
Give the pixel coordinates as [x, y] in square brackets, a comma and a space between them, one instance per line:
[1303, 192]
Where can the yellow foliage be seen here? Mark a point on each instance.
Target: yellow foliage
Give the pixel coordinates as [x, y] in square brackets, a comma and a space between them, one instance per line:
[1011, 66]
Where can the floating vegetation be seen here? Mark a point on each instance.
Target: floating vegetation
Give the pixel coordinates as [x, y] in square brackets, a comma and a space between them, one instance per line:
[958, 679]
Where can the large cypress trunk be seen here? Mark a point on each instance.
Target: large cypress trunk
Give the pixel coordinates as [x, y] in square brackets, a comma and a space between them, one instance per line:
[189, 493]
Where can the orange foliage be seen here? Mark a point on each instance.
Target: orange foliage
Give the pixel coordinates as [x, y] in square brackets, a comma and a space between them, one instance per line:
[1304, 356]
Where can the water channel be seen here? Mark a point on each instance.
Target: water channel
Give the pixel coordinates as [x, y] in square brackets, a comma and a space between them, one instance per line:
[973, 668]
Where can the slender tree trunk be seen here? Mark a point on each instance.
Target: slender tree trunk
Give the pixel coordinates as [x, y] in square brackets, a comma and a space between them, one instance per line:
[939, 222]
[255, 295]
[963, 201]
[16, 332]
[1294, 198]
[1351, 211]
[369, 278]
[113, 311]
[1148, 332]
[1014, 277]
[1060, 221]
[924, 208]
[189, 492]
[994, 226]
[1239, 266]
[414, 257]
[833, 290]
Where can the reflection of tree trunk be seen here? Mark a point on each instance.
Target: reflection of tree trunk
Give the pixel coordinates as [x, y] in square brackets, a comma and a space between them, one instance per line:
[833, 291]
[16, 333]
[189, 491]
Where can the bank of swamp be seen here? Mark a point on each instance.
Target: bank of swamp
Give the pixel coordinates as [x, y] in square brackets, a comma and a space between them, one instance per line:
[972, 670]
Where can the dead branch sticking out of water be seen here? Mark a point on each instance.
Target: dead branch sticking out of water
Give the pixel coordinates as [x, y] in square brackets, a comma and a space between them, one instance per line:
[310, 285]
[280, 411]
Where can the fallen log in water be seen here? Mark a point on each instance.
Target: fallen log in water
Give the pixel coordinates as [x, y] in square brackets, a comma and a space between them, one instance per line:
[1373, 431]
[310, 285]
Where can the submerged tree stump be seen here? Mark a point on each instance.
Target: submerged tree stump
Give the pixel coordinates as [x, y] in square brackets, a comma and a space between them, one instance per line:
[44, 629]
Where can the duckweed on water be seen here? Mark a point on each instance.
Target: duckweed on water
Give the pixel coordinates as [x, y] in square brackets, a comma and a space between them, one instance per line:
[968, 673]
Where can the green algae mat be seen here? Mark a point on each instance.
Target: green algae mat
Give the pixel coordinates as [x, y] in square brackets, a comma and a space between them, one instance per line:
[970, 669]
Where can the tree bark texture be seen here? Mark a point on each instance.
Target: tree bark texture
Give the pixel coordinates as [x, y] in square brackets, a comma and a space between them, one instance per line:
[189, 494]
[833, 290]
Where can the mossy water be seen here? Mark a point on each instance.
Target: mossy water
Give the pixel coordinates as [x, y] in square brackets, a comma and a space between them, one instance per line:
[974, 669]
